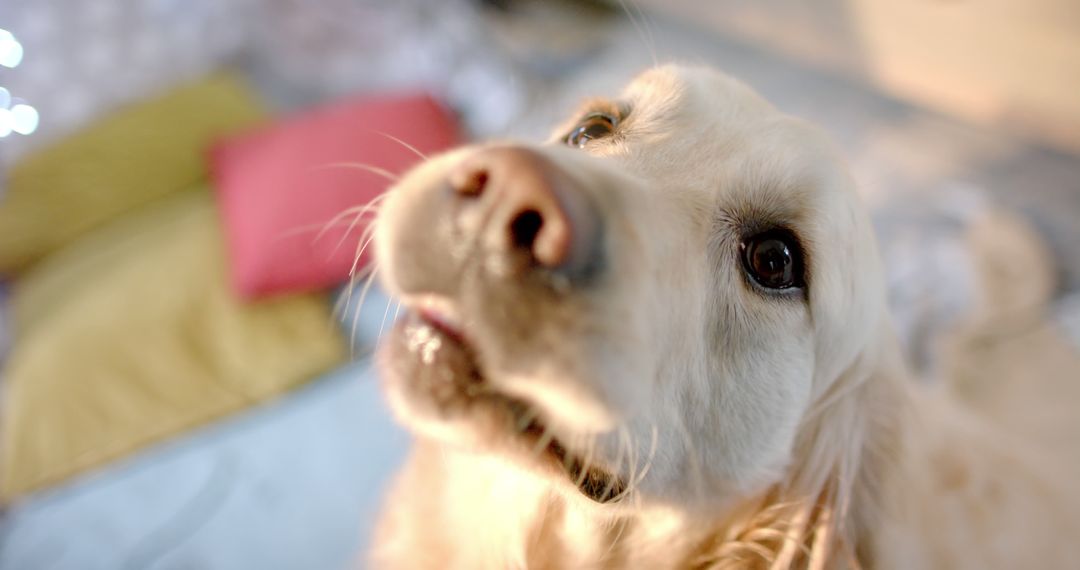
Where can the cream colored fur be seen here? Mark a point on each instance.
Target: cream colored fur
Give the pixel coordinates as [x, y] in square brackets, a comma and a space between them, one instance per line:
[758, 432]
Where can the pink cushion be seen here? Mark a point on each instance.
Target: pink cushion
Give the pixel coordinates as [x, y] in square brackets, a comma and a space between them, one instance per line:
[279, 186]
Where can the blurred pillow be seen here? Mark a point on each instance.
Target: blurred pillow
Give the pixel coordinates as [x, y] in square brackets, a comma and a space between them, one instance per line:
[130, 335]
[136, 155]
[5, 335]
[279, 186]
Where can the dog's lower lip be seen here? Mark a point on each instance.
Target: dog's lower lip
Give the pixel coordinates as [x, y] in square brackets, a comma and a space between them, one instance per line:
[457, 353]
[442, 322]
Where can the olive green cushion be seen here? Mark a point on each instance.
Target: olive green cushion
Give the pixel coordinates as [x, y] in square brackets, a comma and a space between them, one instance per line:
[130, 335]
[137, 155]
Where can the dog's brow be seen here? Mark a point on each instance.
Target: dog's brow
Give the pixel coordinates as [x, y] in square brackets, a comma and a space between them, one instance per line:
[617, 109]
[760, 207]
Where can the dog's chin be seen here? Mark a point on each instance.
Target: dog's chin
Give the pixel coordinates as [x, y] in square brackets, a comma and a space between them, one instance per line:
[438, 389]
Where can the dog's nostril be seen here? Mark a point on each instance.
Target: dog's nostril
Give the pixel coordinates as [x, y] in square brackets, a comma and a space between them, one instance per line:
[525, 227]
[471, 183]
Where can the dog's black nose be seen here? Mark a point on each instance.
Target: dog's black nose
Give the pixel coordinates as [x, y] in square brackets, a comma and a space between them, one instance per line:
[530, 207]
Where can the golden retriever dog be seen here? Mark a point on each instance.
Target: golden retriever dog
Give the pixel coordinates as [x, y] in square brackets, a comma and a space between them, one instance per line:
[660, 340]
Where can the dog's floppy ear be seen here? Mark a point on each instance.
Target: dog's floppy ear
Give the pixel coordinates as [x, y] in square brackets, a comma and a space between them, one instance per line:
[833, 456]
[847, 292]
[811, 503]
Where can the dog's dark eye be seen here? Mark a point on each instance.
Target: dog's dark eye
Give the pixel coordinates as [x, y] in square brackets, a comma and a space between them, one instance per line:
[773, 260]
[592, 127]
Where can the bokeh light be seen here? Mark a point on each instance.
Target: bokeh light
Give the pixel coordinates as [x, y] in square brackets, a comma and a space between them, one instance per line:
[15, 117]
[11, 51]
[24, 119]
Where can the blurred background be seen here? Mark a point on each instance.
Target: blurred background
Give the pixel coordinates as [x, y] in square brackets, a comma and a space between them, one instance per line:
[184, 356]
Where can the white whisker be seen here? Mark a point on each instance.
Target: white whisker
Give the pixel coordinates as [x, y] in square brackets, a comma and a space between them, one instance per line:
[365, 239]
[586, 463]
[543, 442]
[359, 210]
[623, 442]
[371, 207]
[632, 459]
[402, 143]
[361, 166]
[363, 296]
[641, 32]
[382, 325]
[310, 228]
[526, 419]
[697, 473]
[652, 454]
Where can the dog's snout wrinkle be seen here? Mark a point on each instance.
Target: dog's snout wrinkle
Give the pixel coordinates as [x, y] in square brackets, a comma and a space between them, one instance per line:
[531, 207]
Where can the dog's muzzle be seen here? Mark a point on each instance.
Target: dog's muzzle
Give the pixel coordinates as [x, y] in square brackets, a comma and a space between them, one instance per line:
[495, 257]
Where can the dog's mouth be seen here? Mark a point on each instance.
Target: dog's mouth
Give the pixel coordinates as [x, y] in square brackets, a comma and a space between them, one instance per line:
[436, 372]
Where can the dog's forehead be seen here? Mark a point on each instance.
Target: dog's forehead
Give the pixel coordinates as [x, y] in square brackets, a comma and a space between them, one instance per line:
[675, 92]
[717, 135]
